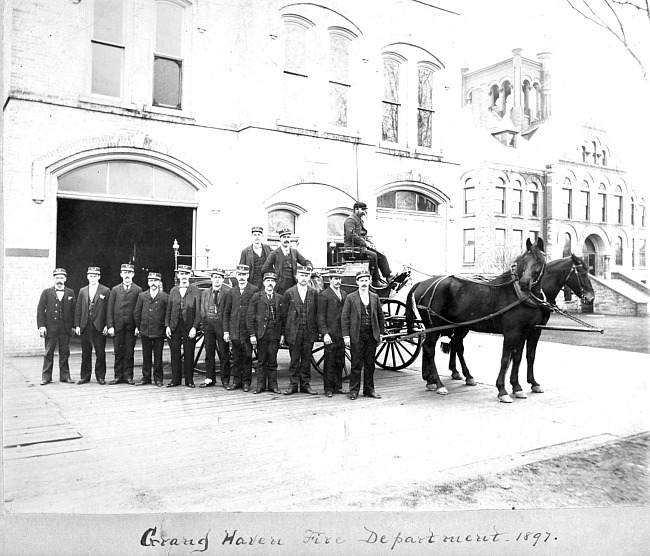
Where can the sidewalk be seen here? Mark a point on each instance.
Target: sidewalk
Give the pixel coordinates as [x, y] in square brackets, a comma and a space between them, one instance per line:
[117, 449]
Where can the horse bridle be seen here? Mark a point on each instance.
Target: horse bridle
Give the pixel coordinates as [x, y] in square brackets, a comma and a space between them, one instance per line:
[516, 277]
[574, 270]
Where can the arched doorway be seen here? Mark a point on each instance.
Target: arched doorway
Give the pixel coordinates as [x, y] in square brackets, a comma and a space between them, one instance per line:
[593, 252]
[117, 211]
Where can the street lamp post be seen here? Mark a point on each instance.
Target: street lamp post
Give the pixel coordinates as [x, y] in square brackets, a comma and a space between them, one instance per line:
[175, 247]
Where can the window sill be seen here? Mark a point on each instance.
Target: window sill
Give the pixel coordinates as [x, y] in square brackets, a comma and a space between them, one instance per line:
[107, 101]
[178, 113]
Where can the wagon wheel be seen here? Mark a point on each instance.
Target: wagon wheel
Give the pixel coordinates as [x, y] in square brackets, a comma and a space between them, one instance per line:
[396, 353]
[318, 360]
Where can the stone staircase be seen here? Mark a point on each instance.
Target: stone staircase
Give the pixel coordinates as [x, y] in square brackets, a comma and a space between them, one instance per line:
[620, 295]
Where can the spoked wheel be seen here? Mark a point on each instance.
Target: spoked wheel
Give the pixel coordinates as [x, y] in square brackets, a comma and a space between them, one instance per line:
[396, 353]
[318, 360]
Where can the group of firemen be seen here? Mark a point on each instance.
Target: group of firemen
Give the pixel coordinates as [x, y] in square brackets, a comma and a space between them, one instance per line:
[271, 304]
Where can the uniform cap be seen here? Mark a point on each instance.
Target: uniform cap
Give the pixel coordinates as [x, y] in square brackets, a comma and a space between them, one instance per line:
[219, 271]
[94, 270]
[360, 205]
[154, 276]
[270, 276]
[184, 268]
[127, 266]
[257, 229]
[284, 232]
[242, 269]
[58, 271]
[362, 273]
[338, 271]
[303, 269]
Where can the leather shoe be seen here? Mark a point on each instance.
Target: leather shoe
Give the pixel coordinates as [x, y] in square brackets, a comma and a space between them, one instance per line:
[158, 383]
[256, 391]
[142, 383]
[116, 381]
[130, 381]
[190, 385]
[44, 382]
[172, 385]
[328, 394]
[233, 387]
[68, 381]
[308, 390]
[225, 385]
[83, 381]
[353, 396]
[290, 391]
[246, 388]
[372, 395]
[379, 284]
[277, 391]
[206, 385]
[101, 381]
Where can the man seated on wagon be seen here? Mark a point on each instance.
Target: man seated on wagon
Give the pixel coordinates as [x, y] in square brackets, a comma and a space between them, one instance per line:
[356, 237]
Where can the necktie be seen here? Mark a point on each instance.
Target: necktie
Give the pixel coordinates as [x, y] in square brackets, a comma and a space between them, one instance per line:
[216, 297]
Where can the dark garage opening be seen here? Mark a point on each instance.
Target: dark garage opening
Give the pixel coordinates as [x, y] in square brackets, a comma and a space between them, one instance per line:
[92, 233]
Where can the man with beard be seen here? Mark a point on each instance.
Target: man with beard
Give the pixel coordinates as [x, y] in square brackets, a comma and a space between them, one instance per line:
[90, 324]
[121, 324]
[362, 324]
[283, 262]
[150, 311]
[182, 319]
[234, 328]
[254, 256]
[213, 303]
[299, 327]
[55, 319]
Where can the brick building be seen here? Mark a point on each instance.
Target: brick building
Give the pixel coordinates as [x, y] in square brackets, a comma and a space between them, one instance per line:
[129, 124]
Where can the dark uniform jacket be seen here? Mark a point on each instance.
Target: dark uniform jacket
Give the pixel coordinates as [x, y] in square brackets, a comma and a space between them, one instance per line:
[150, 314]
[290, 314]
[206, 298]
[248, 255]
[259, 313]
[121, 305]
[275, 263]
[100, 305]
[329, 313]
[234, 313]
[354, 234]
[47, 312]
[193, 304]
[351, 316]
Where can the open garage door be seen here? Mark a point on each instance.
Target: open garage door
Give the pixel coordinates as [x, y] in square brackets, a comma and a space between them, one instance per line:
[92, 233]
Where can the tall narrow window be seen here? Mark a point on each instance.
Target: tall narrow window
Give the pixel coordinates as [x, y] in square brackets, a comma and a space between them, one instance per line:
[468, 246]
[108, 48]
[469, 193]
[584, 201]
[566, 248]
[339, 79]
[632, 210]
[566, 201]
[517, 240]
[603, 203]
[499, 238]
[618, 250]
[534, 196]
[390, 103]
[500, 198]
[594, 152]
[425, 106]
[168, 57]
[296, 68]
[604, 158]
[633, 252]
[517, 205]
[642, 253]
[619, 205]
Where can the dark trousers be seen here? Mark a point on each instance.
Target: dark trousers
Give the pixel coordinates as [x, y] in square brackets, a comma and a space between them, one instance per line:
[213, 342]
[333, 364]
[378, 261]
[242, 362]
[93, 338]
[300, 365]
[363, 358]
[124, 345]
[152, 346]
[63, 340]
[185, 366]
[267, 363]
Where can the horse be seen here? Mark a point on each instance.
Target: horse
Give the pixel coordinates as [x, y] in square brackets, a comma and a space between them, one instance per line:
[569, 271]
[504, 306]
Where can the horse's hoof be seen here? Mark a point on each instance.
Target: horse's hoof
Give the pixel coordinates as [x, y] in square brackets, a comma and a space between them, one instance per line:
[442, 391]
[520, 394]
[456, 376]
[470, 382]
[537, 389]
[505, 398]
[433, 387]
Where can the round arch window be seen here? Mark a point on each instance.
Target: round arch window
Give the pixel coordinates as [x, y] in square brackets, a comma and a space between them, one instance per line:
[403, 199]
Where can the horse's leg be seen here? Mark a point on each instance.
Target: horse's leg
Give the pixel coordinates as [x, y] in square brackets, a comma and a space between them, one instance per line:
[458, 348]
[506, 356]
[531, 350]
[429, 370]
[517, 354]
[450, 348]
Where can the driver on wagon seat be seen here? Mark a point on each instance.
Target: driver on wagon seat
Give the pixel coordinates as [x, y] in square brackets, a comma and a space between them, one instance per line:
[356, 236]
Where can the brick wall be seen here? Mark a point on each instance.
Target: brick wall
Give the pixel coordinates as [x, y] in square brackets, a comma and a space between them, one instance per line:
[610, 302]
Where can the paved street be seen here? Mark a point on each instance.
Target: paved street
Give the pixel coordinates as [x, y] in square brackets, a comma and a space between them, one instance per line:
[116, 449]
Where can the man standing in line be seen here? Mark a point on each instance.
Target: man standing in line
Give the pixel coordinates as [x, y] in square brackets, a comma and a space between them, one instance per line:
[149, 315]
[299, 327]
[181, 321]
[330, 307]
[283, 262]
[213, 302]
[263, 323]
[234, 328]
[90, 324]
[255, 255]
[362, 324]
[121, 324]
[356, 235]
[55, 319]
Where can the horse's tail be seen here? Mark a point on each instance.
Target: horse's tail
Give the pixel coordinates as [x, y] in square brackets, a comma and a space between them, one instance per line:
[411, 310]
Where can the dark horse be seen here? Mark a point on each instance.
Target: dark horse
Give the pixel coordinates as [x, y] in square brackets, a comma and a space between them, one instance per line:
[502, 306]
[569, 271]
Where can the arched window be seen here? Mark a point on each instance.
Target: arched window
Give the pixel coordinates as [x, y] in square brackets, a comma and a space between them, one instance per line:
[604, 158]
[584, 201]
[566, 248]
[391, 101]
[407, 200]
[280, 219]
[534, 199]
[594, 152]
[618, 250]
[584, 154]
[297, 66]
[339, 76]
[425, 105]
[602, 195]
[517, 198]
[469, 194]
[500, 196]
[619, 204]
